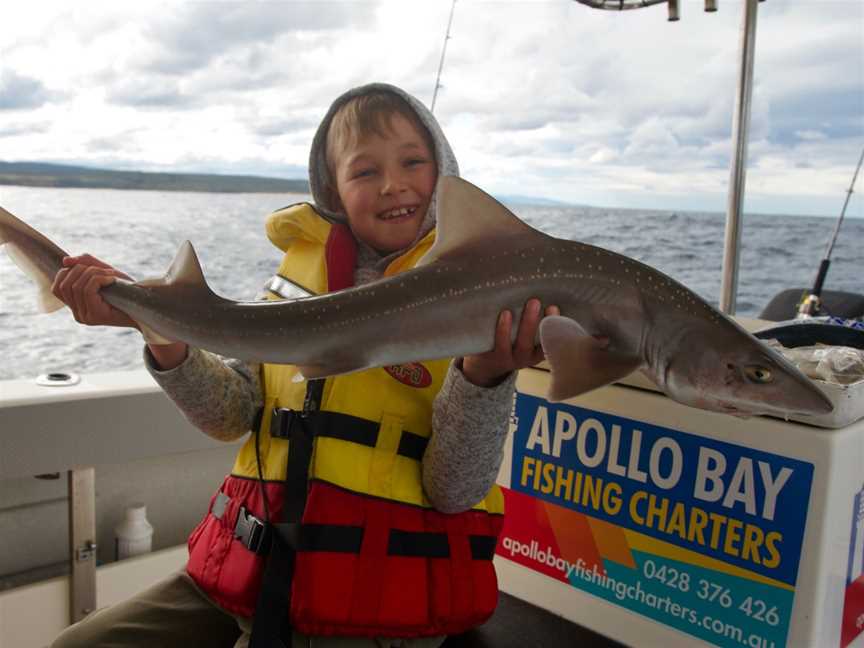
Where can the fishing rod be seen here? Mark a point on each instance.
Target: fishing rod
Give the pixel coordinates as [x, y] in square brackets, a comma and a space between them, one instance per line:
[811, 304]
[441, 62]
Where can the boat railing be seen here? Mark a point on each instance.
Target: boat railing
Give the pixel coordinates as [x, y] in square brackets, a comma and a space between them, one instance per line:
[104, 418]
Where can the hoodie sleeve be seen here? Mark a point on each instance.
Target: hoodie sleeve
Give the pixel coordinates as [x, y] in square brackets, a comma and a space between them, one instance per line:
[469, 427]
[219, 396]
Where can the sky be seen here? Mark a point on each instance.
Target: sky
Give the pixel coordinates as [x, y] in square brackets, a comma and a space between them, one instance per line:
[548, 98]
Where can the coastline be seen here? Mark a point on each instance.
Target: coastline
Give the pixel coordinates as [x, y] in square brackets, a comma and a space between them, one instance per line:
[53, 176]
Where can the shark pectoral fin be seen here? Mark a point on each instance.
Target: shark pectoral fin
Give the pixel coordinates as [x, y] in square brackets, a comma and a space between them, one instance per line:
[152, 337]
[329, 368]
[579, 362]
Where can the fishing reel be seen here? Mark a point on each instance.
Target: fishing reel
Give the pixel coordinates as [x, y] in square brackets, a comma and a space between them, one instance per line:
[621, 5]
[809, 306]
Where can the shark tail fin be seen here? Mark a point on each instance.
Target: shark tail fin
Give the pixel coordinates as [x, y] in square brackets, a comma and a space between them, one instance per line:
[22, 244]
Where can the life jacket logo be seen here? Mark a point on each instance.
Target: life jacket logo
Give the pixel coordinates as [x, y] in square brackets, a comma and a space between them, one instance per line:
[412, 374]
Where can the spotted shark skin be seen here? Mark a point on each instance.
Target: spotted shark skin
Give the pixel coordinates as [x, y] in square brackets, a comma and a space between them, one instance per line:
[617, 315]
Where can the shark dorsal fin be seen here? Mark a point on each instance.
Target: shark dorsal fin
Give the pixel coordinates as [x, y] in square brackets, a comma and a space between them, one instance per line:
[467, 217]
[185, 270]
[184, 273]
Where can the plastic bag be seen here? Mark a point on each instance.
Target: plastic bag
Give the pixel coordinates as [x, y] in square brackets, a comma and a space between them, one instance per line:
[834, 364]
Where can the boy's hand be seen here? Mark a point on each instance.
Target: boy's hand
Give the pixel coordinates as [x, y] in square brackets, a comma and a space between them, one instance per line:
[490, 368]
[77, 285]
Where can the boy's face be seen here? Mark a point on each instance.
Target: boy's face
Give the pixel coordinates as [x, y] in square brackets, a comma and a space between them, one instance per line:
[385, 185]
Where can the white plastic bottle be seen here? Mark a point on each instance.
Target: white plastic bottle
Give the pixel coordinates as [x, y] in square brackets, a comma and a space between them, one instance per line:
[134, 535]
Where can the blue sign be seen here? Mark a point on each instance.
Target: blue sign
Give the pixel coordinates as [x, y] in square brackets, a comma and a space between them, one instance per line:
[742, 506]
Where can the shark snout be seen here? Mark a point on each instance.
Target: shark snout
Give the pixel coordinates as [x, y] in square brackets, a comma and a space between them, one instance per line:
[800, 396]
[815, 402]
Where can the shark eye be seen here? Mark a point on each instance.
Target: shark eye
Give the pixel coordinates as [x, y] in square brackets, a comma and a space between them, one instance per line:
[758, 374]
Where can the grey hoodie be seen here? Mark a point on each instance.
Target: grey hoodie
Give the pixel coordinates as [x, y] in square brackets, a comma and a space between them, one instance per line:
[371, 264]
[221, 396]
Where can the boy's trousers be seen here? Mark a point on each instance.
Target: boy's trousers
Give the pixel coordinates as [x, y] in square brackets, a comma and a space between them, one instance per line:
[176, 614]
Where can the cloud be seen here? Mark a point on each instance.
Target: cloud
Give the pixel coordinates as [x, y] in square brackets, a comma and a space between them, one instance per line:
[604, 155]
[265, 126]
[15, 129]
[194, 34]
[125, 142]
[810, 135]
[153, 92]
[200, 54]
[835, 112]
[18, 92]
[565, 101]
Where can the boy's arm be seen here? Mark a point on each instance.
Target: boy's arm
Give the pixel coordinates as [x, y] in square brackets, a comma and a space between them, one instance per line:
[469, 427]
[220, 396]
[470, 415]
[217, 395]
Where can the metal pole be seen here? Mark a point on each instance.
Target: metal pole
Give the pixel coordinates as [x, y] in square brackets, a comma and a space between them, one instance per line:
[738, 171]
[82, 543]
[441, 62]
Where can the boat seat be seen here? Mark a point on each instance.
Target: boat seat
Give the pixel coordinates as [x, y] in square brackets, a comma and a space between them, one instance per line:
[784, 305]
[517, 624]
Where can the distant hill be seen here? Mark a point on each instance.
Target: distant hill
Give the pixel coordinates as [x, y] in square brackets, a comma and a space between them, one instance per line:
[38, 174]
[44, 174]
[533, 200]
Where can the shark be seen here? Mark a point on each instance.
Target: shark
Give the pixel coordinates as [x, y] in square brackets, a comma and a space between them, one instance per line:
[617, 315]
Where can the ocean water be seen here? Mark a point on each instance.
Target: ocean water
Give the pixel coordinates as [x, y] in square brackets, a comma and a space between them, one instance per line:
[139, 232]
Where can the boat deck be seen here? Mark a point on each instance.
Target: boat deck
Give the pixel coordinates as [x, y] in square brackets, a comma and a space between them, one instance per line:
[517, 624]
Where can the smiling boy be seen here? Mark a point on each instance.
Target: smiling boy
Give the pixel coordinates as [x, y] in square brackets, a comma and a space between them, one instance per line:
[384, 180]
[362, 510]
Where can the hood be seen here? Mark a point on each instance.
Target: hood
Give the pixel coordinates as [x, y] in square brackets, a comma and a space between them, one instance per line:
[319, 174]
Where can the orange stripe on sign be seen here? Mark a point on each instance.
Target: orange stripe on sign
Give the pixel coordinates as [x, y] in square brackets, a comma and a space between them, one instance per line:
[573, 533]
[612, 542]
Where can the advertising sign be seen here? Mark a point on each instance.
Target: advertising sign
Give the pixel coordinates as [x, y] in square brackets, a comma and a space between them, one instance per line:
[853, 604]
[700, 535]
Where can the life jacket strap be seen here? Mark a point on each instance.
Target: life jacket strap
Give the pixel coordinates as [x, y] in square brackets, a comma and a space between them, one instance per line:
[271, 627]
[257, 536]
[345, 427]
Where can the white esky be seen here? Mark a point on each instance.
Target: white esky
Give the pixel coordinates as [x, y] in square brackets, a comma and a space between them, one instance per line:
[540, 98]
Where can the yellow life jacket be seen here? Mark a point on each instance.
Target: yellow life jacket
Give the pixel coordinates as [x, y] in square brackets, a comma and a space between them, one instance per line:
[375, 559]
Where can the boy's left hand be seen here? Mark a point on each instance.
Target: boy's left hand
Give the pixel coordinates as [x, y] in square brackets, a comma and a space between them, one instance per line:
[490, 368]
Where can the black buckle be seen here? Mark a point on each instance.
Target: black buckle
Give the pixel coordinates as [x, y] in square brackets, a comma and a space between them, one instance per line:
[252, 532]
[282, 421]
